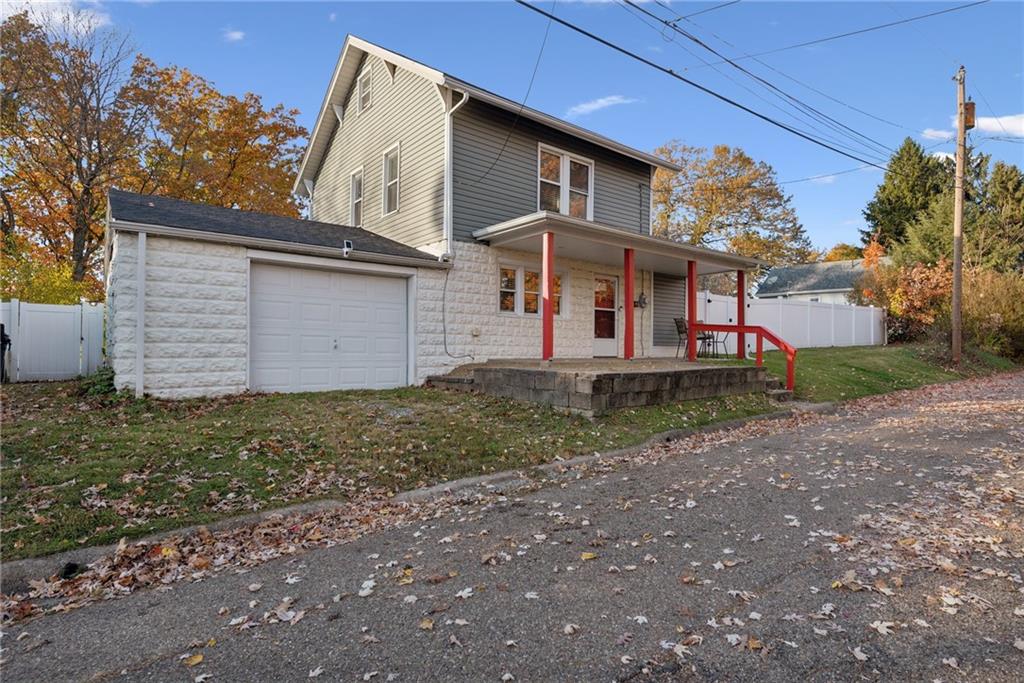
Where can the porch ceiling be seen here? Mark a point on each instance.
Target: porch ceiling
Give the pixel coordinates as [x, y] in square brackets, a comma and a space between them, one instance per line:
[583, 240]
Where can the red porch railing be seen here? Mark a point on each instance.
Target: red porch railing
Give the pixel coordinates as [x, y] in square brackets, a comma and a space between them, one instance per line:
[762, 334]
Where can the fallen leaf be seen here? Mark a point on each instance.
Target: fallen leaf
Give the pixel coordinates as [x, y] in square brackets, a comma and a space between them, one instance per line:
[859, 654]
[194, 659]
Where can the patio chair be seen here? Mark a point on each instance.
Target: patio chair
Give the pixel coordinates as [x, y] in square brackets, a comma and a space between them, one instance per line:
[681, 330]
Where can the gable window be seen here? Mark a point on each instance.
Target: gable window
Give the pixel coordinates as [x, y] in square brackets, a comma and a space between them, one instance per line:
[565, 183]
[390, 173]
[356, 201]
[519, 291]
[365, 89]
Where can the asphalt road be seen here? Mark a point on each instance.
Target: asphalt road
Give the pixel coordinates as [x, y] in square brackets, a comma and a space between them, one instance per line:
[764, 559]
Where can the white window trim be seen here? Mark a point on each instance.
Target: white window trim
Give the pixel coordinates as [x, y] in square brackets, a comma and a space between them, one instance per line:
[397, 147]
[362, 198]
[366, 70]
[563, 184]
[520, 311]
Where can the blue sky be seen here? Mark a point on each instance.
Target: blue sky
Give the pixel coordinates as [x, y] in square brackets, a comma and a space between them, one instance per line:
[285, 52]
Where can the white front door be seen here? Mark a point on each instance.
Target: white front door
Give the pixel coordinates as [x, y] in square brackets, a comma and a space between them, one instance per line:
[606, 296]
[317, 330]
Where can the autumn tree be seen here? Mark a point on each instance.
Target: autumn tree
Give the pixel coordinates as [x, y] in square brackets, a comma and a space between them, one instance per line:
[70, 130]
[912, 179]
[206, 146]
[842, 252]
[726, 200]
[82, 114]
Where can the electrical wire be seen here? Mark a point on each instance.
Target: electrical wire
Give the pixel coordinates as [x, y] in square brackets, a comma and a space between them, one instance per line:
[710, 9]
[808, 43]
[631, 8]
[833, 123]
[796, 80]
[522, 105]
[694, 84]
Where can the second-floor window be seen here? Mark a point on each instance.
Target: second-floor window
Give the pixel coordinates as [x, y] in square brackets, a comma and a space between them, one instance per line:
[565, 183]
[356, 205]
[365, 89]
[390, 180]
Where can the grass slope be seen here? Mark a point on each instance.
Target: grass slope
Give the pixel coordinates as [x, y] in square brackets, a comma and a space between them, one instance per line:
[840, 374]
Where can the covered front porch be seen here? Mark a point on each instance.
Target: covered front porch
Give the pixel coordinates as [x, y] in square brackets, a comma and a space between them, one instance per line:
[556, 237]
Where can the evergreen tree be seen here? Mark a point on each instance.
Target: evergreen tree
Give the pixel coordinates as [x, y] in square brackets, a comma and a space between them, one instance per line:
[911, 181]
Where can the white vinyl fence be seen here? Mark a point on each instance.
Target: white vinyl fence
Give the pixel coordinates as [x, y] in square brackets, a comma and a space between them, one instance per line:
[50, 341]
[804, 324]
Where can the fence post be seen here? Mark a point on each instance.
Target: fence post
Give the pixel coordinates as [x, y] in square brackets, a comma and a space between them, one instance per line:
[15, 339]
[872, 319]
[832, 313]
[853, 326]
[808, 304]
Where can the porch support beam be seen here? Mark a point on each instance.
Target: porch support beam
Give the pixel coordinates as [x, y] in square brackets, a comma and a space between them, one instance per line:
[741, 313]
[629, 260]
[691, 310]
[547, 277]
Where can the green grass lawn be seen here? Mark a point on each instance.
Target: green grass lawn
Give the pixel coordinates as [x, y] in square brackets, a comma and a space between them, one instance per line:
[840, 374]
[84, 470]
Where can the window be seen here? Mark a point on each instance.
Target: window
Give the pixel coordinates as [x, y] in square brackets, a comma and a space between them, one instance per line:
[519, 291]
[507, 290]
[390, 193]
[565, 183]
[356, 195]
[364, 87]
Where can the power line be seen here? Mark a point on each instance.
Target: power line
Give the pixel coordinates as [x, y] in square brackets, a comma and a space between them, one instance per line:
[796, 80]
[522, 105]
[833, 123]
[628, 7]
[694, 84]
[710, 9]
[860, 31]
[956, 62]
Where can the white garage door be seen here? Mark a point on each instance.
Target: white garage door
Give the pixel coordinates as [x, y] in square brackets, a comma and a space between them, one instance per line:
[317, 330]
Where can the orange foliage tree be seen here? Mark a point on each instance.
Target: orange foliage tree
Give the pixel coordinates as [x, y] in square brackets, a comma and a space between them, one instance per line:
[82, 114]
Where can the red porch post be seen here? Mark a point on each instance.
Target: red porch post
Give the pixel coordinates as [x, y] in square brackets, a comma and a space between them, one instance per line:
[547, 284]
[691, 310]
[627, 344]
[741, 313]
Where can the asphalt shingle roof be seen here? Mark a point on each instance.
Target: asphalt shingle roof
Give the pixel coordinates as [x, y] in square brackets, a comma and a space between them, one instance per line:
[811, 277]
[177, 213]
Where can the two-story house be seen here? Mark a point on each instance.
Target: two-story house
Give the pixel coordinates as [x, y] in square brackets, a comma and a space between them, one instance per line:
[447, 225]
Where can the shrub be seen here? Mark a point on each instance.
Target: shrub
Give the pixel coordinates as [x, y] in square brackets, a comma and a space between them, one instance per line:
[993, 312]
[99, 383]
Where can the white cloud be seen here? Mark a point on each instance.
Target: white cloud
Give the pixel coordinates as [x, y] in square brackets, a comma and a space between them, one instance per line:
[1013, 124]
[57, 14]
[824, 180]
[584, 108]
[233, 35]
[943, 155]
[936, 134]
[332, 16]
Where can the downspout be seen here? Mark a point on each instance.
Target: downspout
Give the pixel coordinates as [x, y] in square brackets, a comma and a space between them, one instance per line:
[449, 229]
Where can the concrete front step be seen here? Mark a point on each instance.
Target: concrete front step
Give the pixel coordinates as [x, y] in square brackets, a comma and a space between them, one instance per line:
[451, 383]
[780, 395]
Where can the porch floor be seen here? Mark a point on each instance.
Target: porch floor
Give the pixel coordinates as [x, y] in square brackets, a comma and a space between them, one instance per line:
[593, 386]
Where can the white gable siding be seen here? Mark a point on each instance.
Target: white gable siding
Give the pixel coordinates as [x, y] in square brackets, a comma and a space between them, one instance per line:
[409, 112]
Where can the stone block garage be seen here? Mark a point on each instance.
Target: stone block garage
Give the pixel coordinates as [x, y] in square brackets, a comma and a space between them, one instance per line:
[225, 301]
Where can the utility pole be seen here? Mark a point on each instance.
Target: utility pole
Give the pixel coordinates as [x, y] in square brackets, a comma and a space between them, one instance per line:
[958, 214]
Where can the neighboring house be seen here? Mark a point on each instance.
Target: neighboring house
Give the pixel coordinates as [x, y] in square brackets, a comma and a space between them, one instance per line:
[829, 282]
[462, 206]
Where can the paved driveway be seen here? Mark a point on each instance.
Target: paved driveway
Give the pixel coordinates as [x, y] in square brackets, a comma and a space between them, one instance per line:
[882, 543]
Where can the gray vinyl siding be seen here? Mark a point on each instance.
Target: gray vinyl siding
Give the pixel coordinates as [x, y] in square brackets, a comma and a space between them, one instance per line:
[509, 189]
[408, 112]
[669, 303]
